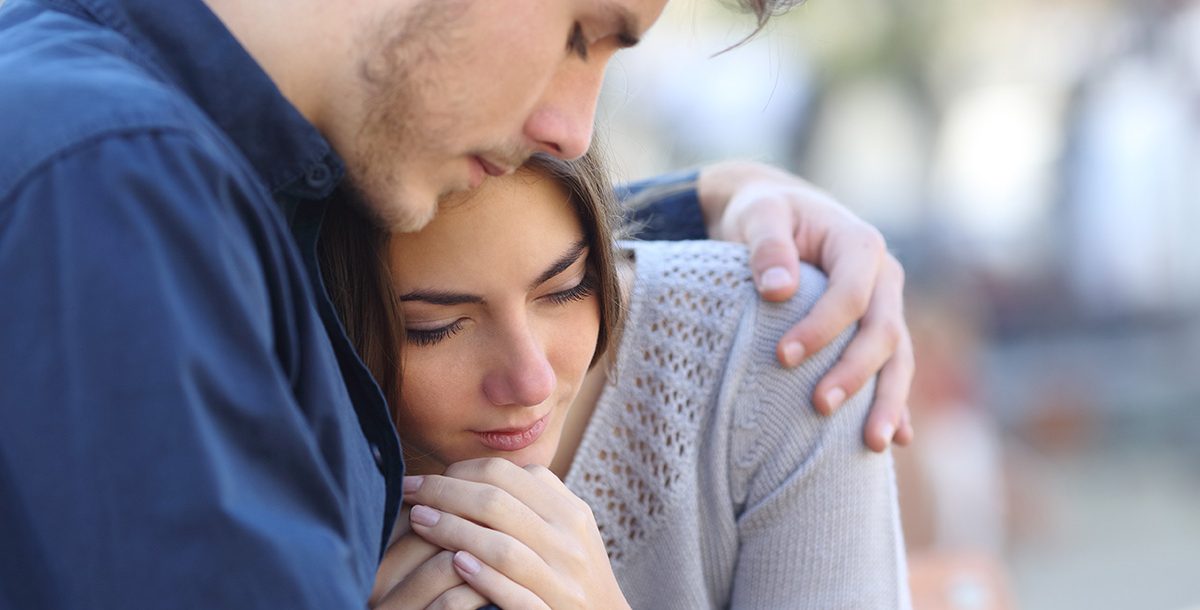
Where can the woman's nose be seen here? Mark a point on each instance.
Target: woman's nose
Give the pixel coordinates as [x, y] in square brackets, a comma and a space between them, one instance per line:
[522, 375]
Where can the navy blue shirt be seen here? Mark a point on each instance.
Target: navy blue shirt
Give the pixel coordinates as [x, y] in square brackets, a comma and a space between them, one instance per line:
[183, 422]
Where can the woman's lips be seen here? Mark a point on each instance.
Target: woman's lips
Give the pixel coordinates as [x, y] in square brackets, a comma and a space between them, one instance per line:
[511, 439]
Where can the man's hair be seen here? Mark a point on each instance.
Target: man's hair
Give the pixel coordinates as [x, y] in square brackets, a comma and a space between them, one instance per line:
[354, 262]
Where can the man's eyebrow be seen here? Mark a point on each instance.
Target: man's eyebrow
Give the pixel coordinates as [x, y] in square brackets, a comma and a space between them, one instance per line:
[441, 297]
[627, 25]
[560, 265]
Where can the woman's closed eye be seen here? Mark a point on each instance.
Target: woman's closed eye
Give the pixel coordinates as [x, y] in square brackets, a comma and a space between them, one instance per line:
[430, 336]
[584, 289]
[421, 337]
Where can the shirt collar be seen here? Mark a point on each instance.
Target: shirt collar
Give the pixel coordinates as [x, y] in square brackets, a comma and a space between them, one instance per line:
[194, 50]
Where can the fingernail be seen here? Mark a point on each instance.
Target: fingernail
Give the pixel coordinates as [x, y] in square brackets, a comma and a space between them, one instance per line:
[774, 278]
[466, 562]
[423, 515]
[412, 484]
[793, 353]
[834, 399]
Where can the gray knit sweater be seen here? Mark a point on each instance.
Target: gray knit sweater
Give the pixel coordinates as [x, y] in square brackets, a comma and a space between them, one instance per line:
[714, 482]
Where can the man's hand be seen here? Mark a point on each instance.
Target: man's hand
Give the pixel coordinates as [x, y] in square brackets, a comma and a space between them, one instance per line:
[784, 220]
[521, 537]
[416, 574]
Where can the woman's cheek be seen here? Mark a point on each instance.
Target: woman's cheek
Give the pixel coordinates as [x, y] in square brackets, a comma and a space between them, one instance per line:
[427, 381]
[585, 325]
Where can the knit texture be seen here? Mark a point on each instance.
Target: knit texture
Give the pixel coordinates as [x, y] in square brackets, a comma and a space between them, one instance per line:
[713, 480]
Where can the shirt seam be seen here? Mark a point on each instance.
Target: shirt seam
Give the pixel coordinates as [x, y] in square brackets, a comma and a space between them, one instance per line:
[61, 153]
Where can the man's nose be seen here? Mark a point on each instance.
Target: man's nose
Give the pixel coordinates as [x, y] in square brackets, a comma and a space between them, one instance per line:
[561, 124]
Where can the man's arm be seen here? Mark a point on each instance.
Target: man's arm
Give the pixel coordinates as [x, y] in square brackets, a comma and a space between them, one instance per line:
[154, 450]
[785, 220]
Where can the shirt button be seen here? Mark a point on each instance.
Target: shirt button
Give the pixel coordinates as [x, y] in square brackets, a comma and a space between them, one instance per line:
[318, 176]
[377, 454]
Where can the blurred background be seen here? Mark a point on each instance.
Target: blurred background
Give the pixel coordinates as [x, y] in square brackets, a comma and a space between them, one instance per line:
[1036, 167]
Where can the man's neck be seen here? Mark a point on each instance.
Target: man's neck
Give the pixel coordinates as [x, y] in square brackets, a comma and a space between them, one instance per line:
[279, 37]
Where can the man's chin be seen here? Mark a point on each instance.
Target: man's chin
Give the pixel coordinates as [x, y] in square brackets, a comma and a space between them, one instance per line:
[405, 213]
[390, 203]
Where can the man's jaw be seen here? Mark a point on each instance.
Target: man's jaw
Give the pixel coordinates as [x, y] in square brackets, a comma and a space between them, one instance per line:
[405, 210]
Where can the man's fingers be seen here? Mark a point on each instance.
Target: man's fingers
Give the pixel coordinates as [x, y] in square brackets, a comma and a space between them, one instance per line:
[424, 584]
[878, 338]
[853, 274]
[770, 235]
[863, 357]
[889, 418]
[496, 586]
[832, 314]
[775, 267]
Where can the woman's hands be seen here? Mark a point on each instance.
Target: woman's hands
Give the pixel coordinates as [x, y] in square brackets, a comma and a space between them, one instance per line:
[521, 538]
[416, 574]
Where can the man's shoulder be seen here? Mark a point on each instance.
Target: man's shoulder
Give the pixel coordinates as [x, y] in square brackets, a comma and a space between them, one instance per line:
[65, 83]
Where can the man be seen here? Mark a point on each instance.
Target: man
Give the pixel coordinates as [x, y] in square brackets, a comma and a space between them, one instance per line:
[182, 420]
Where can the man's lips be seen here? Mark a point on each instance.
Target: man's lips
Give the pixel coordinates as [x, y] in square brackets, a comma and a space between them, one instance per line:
[491, 168]
[513, 439]
[480, 167]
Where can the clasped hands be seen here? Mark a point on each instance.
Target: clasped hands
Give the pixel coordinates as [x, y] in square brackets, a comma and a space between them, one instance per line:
[489, 531]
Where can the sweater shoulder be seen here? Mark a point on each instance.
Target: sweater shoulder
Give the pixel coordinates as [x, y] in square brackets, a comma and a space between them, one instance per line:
[695, 309]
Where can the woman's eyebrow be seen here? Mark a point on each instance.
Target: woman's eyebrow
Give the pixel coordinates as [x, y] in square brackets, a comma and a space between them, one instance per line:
[560, 265]
[441, 297]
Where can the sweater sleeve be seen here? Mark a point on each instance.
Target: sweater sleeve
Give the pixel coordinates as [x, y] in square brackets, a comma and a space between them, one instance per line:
[816, 511]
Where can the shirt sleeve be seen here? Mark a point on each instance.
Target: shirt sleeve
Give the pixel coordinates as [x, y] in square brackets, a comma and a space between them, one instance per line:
[664, 208]
[817, 518]
[152, 453]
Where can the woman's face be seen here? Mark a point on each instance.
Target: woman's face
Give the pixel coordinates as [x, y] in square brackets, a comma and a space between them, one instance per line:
[502, 321]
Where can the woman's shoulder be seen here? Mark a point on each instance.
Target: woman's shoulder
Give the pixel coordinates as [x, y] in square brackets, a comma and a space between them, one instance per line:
[765, 411]
[710, 277]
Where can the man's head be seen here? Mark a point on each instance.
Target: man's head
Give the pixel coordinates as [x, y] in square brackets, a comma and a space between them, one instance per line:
[426, 97]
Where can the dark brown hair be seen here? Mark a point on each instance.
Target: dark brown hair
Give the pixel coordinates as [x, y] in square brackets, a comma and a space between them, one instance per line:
[353, 258]
[763, 10]
[352, 251]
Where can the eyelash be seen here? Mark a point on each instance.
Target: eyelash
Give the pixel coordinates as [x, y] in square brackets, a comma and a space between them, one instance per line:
[576, 43]
[581, 291]
[423, 338]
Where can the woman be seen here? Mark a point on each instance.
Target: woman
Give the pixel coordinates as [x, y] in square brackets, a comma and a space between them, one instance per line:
[703, 482]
